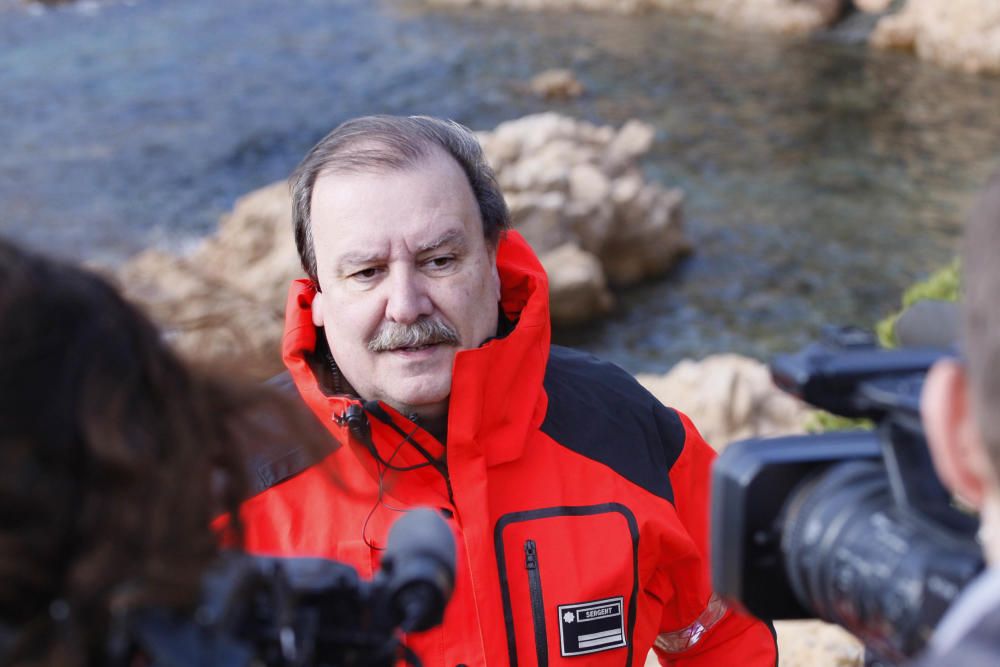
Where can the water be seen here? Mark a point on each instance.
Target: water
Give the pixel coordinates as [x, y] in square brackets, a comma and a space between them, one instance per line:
[821, 178]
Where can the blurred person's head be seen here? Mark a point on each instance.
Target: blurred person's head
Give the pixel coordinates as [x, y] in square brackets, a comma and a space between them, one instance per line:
[961, 401]
[114, 459]
[397, 222]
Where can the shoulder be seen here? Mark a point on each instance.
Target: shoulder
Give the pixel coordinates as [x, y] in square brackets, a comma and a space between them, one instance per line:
[980, 647]
[568, 367]
[970, 631]
[600, 411]
[278, 453]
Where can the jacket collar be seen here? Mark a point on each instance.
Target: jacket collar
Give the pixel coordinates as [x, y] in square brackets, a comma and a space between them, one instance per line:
[496, 393]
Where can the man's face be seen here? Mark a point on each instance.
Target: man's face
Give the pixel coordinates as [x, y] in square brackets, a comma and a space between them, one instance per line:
[395, 250]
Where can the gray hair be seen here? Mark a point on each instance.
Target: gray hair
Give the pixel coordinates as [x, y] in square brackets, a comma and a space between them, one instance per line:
[376, 144]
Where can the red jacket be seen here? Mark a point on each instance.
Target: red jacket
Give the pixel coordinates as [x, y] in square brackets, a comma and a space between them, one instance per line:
[579, 504]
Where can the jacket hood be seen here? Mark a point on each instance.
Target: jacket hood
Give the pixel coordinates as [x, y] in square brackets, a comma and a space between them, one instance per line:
[496, 388]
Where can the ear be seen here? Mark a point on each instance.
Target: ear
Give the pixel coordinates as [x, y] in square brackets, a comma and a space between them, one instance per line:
[317, 309]
[953, 436]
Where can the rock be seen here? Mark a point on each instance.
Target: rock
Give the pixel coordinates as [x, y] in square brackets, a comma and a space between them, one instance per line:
[729, 398]
[572, 181]
[791, 17]
[649, 236]
[616, 6]
[963, 34]
[634, 139]
[255, 244]
[588, 185]
[577, 285]
[225, 302]
[779, 16]
[205, 320]
[556, 84]
[539, 219]
[873, 6]
[810, 643]
[783, 16]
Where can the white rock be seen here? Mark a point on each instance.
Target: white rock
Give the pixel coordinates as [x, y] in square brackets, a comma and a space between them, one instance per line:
[634, 139]
[782, 16]
[634, 227]
[729, 397]
[873, 6]
[963, 34]
[576, 284]
[588, 184]
[556, 84]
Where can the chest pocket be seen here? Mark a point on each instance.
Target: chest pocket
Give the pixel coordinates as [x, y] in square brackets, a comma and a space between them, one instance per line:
[569, 580]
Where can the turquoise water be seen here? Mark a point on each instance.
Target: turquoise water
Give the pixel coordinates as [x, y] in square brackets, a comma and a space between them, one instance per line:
[821, 178]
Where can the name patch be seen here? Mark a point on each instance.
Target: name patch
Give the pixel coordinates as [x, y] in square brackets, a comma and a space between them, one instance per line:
[588, 627]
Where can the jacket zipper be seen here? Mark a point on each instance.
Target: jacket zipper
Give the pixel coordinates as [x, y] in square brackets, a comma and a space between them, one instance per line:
[537, 606]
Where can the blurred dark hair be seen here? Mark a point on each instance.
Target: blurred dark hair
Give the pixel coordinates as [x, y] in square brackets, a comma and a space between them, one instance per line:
[373, 144]
[114, 459]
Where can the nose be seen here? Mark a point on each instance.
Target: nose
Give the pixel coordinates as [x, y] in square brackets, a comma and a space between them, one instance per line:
[408, 299]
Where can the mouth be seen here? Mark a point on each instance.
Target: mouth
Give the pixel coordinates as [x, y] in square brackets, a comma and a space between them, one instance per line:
[416, 348]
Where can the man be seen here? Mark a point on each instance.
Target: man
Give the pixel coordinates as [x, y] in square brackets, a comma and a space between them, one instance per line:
[421, 339]
[961, 410]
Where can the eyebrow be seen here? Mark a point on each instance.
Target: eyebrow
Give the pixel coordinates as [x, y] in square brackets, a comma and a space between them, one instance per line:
[353, 259]
[453, 237]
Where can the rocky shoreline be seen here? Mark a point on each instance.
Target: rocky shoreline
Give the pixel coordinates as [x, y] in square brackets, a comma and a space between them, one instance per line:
[960, 34]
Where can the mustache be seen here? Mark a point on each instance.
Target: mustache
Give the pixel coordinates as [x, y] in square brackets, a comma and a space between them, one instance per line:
[425, 331]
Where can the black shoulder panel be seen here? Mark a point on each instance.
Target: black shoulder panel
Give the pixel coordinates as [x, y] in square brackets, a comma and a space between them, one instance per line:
[601, 412]
[283, 383]
[273, 458]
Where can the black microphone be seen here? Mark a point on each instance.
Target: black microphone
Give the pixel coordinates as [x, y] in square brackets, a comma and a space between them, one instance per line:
[357, 424]
[419, 565]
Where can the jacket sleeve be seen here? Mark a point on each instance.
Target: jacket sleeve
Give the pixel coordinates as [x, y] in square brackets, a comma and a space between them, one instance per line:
[718, 635]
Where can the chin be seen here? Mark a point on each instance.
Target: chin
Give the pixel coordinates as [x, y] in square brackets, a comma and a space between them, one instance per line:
[425, 398]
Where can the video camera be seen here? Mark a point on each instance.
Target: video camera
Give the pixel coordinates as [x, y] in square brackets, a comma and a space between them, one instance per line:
[853, 527]
[303, 612]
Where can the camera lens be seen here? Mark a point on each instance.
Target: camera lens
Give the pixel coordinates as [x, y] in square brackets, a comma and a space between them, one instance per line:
[857, 559]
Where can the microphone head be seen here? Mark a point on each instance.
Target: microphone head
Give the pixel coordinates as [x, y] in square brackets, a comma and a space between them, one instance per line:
[929, 323]
[419, 565]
